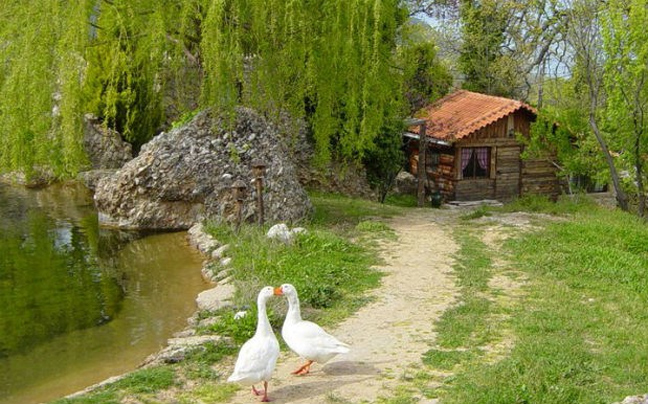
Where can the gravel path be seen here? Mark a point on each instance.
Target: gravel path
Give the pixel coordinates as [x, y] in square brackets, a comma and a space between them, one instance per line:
[389, 335]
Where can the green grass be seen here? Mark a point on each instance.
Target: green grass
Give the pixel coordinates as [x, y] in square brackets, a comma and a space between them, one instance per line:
[465, 324]
[406, 201]
[340, 211]
[580, 326]
[446, 360]
[577, 327]
[209, 393]
[330, 272]
[142, 383]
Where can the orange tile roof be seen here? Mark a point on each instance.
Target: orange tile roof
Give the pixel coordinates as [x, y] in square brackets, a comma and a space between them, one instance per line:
[463, 112]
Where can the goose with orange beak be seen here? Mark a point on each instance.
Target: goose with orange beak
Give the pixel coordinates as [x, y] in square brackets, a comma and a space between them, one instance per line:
[305, 338]
[258, 356]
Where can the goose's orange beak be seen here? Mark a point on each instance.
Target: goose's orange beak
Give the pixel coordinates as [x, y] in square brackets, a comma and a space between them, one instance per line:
[278, 291]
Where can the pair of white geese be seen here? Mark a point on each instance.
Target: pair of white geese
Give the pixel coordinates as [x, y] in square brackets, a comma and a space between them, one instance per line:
[258, 356]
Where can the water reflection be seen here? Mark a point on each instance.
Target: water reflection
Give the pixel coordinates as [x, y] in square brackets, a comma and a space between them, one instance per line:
[78, 303]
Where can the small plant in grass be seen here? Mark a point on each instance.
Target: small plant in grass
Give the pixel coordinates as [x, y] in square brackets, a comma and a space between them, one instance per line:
[405, 201]
[480, 212]
[210, 393]
[103, 396]
[147, 380]
[446, 359]
[401, 395]
[211, 352]
[200, 370]
[184, 119]
[238, 329]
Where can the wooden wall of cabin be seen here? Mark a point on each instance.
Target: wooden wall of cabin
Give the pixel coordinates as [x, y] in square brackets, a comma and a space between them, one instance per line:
[539, 178]
[509, 176]
[440, 171]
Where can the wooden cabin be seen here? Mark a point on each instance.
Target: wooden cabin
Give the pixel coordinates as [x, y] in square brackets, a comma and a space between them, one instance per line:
[472, 150]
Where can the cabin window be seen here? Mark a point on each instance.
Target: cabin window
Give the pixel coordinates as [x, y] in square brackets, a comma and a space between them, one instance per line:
[475, 162]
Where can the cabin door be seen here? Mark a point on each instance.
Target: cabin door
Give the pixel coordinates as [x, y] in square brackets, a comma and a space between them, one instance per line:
[507, 173]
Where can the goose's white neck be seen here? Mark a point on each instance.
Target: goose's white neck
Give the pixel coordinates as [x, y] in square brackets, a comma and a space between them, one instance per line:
[263, 324]
[294, 312]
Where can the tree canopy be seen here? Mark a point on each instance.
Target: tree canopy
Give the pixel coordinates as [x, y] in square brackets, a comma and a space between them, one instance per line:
[136, 64]
[350, 69]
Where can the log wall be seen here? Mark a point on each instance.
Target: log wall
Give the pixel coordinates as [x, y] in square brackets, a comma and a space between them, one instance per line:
[510, 176]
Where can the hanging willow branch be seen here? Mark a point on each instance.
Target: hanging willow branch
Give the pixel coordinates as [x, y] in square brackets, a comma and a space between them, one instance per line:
[328, 64]
[131, 61]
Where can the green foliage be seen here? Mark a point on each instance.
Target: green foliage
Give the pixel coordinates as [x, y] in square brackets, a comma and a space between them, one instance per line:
[626, 45]
[239, 329]
[385, 159]
[125, 84]
[562, 130]
[139, 64]
[425, 78]
[481, 60]
[40, 84]
[326, 61]
[64, 59]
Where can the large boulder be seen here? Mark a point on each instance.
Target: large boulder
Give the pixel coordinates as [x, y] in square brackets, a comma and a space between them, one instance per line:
[185, 175]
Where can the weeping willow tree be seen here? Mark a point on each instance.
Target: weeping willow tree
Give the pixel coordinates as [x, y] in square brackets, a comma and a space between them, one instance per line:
[328, 61]
[62, 59]
[41, 64]
[134, 63]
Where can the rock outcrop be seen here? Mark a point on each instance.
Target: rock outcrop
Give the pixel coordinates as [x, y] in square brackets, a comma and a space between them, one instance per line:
[186, 175]
[106, 150]
[104, 147]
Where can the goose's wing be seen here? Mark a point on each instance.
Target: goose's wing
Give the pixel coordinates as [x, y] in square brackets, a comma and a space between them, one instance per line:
[256, 359]
[311, 341]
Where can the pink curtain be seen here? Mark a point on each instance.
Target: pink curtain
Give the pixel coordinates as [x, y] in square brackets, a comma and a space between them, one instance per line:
[466, 153]
[482, 157]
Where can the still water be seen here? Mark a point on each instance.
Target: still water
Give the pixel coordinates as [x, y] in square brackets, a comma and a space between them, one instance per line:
[78, 303]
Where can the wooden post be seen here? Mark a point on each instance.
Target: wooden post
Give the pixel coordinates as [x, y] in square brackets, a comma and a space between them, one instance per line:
[258, 170]
[422, 170]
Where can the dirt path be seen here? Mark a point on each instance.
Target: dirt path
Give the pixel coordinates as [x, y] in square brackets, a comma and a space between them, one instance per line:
[389, 335]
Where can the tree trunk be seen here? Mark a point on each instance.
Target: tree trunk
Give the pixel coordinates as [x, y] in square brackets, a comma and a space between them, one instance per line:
[621, 197]
[641, 209]
[422, 173]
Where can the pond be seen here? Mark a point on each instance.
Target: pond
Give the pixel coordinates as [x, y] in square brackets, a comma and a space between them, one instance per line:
[79, 303]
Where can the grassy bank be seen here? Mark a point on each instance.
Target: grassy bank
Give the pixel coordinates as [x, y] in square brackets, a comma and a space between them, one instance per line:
[331, 266]
[551, 311]
[577, 326]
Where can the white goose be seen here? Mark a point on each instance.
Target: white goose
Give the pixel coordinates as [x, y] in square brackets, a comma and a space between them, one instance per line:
[258, 355]
[306, 338]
